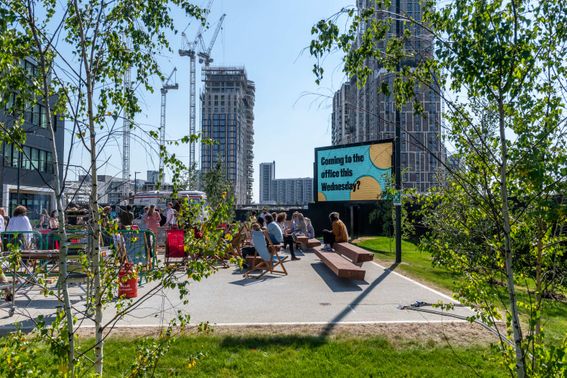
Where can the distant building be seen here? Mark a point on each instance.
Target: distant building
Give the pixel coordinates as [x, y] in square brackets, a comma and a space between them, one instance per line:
[110, 190]
[228, 119]
[290, 191]
[366, 114]
[27, 177]
[152, 176]
[293, 191]
[267, 177]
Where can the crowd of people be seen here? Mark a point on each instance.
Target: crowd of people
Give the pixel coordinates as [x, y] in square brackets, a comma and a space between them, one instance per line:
[279, 231]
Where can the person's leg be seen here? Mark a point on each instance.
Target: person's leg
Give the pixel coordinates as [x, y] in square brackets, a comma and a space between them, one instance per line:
[327, 237]
[331, 240]
[291, 250]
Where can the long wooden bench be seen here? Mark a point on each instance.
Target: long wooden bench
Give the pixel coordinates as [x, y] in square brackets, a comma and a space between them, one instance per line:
[308, 243]
[354, 253]
[340, 266]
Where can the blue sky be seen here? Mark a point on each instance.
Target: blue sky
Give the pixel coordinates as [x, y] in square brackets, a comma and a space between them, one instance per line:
[268, 38]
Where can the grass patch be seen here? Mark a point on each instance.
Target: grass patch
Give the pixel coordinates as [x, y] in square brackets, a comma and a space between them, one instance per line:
[294, 356]
[417, 264]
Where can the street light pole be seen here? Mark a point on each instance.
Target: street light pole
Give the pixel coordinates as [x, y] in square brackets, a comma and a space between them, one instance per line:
[397, 156]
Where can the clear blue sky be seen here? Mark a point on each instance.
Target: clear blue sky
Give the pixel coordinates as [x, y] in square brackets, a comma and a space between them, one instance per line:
[268, 38]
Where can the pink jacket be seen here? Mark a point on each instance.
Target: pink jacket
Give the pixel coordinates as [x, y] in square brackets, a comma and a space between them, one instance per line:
[152, 222]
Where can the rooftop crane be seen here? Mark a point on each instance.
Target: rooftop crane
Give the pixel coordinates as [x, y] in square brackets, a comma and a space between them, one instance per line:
[165, 87]
[205, 54]
[190, 51]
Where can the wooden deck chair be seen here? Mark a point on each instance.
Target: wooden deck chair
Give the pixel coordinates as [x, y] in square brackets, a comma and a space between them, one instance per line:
[269, 258]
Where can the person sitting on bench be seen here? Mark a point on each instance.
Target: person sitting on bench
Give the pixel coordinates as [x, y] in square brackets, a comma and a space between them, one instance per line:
[276, 234]
[339, 234]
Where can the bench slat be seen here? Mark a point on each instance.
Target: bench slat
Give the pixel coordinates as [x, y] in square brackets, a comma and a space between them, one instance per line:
[353, 252]
[341, 267]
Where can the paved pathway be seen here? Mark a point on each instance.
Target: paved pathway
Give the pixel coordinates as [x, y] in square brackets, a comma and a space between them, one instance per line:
[310, 294]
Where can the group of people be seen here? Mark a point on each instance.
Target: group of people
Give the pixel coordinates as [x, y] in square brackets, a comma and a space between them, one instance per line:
[285, 233]
[151, 219]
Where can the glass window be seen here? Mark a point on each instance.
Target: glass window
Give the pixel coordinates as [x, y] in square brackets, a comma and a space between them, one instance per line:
[7, 155]
[49, 162]
[26, 158]
[42, 117]
[36, 115]
[35, 158]
[15, 157]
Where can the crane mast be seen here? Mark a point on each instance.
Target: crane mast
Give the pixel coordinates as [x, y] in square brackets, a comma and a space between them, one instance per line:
[166, 87]
[190, 51]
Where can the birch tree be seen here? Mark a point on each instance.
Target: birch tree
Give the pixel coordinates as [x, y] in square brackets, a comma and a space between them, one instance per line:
[83, 50]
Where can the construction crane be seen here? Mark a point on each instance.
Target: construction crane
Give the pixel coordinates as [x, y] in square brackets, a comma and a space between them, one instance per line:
[190, 51]
[166, 87]
[205, 54]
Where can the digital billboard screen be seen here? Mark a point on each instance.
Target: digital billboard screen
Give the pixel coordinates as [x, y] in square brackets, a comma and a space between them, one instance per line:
[353, 172]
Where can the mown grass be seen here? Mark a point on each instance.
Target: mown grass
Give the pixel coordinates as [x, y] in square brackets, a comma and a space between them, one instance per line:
[417, 264]
[295, 356]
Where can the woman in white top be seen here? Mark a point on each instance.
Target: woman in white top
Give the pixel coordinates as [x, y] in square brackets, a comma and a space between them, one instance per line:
[20, 222]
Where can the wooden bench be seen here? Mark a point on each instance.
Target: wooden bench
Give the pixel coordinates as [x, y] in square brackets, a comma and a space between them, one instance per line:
[308, 243]
[340, 266]
[354, 253]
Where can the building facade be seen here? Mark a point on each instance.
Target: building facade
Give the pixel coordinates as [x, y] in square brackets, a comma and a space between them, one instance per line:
[367, 114]
[228, 119]
[267, 177]
[27, 175]
[291, 191]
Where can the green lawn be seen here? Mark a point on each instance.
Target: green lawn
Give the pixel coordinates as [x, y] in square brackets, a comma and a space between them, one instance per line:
[417, 264]
[295, 356]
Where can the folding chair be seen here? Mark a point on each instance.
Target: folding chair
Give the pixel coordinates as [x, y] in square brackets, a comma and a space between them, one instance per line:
[269, 258]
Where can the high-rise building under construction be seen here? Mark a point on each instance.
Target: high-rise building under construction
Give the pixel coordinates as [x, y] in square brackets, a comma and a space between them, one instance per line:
[366, 114]
[228, 119]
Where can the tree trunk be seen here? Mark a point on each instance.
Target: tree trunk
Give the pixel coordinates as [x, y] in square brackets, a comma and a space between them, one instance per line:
[516, 326]
[95, 237]
[62, 231]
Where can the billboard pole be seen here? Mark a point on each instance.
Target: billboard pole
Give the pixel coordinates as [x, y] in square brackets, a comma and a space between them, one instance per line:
[397, 159]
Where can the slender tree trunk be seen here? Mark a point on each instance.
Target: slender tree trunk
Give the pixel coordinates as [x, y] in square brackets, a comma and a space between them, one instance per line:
[63, 251]
[95, 237]
[538, 279]
[94, 255]
[516, 326]
[62, 231]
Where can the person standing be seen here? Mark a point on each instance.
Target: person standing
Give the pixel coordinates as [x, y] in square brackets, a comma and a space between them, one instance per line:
[43, 220]
[338, 234]
[5, 217]
[126, 217]
[170, 220]
[2, 220]
[53, 223]
[152, 219]
[21, 223]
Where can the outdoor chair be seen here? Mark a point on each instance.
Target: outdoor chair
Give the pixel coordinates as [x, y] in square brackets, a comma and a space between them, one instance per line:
[269, 260]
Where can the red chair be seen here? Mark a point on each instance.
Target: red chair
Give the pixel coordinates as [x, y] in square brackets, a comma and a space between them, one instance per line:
[175, 245]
